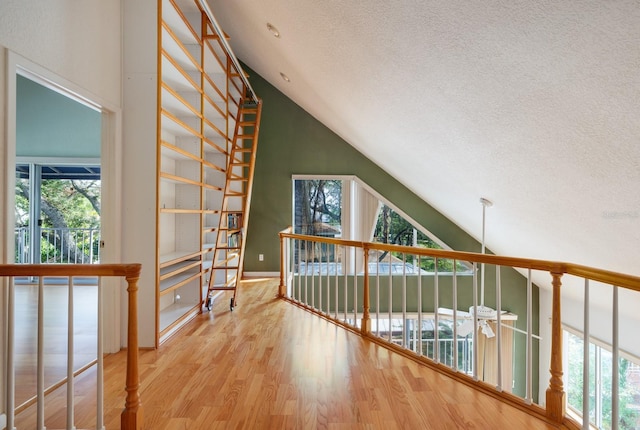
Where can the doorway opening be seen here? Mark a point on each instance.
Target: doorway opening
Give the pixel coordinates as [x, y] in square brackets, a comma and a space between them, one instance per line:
[57, 182]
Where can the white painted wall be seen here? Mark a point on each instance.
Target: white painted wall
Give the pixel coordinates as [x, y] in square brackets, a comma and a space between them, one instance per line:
[81, 42]
[78, 40]
[139, 154]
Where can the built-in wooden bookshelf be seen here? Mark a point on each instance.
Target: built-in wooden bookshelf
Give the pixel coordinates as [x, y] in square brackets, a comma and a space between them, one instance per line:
[197, 97]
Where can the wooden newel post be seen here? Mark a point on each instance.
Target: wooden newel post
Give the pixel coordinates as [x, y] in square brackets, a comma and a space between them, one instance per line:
[131, 418]
[556, 396]
[365, 324]
[282, 287]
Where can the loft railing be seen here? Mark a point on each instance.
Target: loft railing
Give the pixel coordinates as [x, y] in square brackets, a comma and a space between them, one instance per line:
[10, 275]
[410, 309]
[58, 245]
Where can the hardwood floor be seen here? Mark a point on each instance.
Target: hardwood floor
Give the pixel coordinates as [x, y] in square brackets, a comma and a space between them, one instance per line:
[271, 365]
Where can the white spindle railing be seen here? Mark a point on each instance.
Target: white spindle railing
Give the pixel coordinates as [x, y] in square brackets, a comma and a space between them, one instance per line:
[39, 354]
[131, 417]
[346, 302]
[67, 245]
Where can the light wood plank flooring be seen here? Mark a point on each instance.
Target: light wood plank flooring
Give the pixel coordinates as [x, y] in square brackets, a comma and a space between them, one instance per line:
[271, 365]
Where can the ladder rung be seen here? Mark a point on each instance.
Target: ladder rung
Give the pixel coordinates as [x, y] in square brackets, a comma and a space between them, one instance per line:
[231, 280]
[227, 285]
[225, 267]
[228, 252]
[221, 264]
[223, 288]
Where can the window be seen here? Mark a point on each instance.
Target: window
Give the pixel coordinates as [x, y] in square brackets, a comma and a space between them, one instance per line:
[344, 207]
[600, 366]
[393, 228]
[318, 207]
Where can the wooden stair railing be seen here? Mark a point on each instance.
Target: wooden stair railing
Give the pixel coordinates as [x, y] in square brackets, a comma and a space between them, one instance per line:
[131, 417]
[228, 255]
[555, 407]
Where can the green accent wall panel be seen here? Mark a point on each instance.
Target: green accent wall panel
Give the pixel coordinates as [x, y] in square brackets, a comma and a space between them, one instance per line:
[292, 142]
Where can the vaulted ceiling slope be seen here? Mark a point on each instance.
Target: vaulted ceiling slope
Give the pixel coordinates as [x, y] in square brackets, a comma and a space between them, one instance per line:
[533, 105]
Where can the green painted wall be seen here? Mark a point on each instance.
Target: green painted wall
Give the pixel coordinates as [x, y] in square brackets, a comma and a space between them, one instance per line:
[293, 142]
[52, 125]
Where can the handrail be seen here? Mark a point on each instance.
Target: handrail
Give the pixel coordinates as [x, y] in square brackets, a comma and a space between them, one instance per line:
[620, 279]
[131, 417]
[223, 41]
[295, 285]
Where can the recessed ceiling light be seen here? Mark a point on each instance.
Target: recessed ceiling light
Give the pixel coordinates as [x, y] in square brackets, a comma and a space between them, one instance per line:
[273, 29]
[285, 77]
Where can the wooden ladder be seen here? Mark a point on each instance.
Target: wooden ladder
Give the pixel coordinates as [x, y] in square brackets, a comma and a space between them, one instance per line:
[228, 255]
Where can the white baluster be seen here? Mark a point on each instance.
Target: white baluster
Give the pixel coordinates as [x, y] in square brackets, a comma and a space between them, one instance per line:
[529, 390]
[40, 358]
[499, 326]
[70, 379]
[474, 334]
[11, 377]
[615, 378]
[100, 357]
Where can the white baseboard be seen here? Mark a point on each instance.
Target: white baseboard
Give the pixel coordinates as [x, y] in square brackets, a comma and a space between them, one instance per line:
[3, 421]
[261, 275]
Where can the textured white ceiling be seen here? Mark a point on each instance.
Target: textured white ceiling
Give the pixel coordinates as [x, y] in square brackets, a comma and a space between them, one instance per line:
[534, 105]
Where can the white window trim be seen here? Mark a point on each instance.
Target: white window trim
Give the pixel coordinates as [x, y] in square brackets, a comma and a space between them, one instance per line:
[373, 192]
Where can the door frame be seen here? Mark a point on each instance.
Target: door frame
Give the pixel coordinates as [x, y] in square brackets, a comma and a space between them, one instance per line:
[111, 177]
